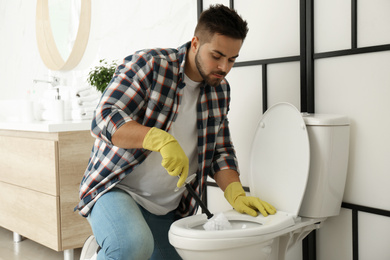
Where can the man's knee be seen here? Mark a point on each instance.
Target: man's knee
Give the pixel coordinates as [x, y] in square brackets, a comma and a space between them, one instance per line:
[134, 245]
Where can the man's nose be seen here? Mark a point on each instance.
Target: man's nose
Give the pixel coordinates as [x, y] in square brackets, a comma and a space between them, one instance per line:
[223, 65]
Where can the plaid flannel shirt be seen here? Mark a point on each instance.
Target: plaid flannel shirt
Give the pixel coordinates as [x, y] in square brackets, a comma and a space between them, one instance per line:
[147, 88]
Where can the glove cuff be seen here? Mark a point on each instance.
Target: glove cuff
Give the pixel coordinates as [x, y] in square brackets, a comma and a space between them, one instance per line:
[233, 191]
[155, 139]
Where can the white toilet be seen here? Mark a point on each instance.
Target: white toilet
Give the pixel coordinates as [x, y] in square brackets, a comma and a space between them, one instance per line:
[281, 159]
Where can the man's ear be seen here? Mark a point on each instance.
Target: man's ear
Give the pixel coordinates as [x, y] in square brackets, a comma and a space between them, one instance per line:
[195, 44]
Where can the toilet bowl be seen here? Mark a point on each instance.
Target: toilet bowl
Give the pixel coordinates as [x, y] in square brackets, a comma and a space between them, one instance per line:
[281, 159]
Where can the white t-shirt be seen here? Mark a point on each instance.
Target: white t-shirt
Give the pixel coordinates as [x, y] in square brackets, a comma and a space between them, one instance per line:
[149, 184]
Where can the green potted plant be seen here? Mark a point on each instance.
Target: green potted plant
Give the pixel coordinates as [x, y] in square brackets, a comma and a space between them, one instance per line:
[101, 75]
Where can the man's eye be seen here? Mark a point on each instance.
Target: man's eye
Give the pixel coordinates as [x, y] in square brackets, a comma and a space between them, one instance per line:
[216, 57]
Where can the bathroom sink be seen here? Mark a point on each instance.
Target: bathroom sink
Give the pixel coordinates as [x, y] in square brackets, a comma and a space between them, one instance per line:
[16, 114]
[45, 126]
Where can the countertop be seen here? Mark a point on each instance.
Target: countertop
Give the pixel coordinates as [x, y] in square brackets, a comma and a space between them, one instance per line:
[46, 126]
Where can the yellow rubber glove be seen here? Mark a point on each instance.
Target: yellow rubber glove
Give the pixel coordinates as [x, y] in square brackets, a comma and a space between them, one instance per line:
[235, 195]
[175, 161]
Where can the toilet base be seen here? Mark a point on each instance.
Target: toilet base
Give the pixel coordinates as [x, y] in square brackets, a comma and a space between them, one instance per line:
[266, 247]
[290, 239]
[260, 251]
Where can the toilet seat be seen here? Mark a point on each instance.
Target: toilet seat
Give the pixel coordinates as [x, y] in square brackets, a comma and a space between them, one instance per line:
[243, 225]
[280, 158]
[188, 233]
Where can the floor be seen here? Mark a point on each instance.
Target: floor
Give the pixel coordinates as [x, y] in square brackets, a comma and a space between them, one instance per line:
[27, 249]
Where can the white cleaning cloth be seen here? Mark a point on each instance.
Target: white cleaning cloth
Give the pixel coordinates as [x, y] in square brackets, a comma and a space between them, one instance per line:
[81, 114]
[82, 91]
[218, 222]
[83, 102]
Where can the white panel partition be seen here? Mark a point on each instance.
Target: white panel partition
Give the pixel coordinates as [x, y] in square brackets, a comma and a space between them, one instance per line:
[358, 86]
[374, 237]
[335, 238]
[273, 28]
[332, 25]
[245, 111]
[373, 22]
[284, 83]
[207, 3]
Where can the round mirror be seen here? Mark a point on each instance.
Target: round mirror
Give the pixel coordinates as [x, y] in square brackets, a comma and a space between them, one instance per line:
[60, 50]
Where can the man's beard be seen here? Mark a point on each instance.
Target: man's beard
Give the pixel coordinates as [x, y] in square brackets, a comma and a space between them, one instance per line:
[214, 82]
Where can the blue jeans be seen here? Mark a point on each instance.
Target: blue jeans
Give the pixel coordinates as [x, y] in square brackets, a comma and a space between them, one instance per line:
[125, 230]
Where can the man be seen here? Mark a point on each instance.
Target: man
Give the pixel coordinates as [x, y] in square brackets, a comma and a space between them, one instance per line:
[164, 114]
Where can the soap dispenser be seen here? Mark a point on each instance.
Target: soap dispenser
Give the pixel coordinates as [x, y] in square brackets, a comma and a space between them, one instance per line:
[58, 107]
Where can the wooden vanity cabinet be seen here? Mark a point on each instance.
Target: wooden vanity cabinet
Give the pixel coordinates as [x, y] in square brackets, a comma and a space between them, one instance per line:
[40, 174]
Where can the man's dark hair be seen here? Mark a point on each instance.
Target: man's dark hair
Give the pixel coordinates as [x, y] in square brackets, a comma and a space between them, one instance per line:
[219, 19]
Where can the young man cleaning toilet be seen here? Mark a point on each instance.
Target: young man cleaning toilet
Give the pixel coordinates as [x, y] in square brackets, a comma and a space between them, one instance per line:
[163, 115]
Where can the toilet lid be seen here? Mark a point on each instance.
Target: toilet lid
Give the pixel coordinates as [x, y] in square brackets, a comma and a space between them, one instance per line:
[280, 157]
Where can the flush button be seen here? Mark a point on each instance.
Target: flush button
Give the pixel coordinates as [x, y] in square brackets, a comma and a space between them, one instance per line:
[262, 125]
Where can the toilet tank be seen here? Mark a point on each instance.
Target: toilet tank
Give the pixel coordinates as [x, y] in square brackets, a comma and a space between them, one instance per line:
[329, 151]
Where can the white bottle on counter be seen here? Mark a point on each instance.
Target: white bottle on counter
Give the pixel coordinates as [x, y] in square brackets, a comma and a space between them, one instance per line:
[58, 108]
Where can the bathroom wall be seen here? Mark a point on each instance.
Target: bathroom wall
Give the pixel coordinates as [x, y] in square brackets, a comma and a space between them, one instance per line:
[355, 85]
[358, 86]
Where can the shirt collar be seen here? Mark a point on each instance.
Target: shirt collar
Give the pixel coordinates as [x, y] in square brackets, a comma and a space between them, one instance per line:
[182, 58]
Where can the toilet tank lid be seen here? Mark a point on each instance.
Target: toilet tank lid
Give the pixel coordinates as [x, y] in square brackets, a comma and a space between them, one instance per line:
[325, 119]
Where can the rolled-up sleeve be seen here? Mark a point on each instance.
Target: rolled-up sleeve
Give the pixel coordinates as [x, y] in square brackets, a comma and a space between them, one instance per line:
[224, 157]
[125, 96]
